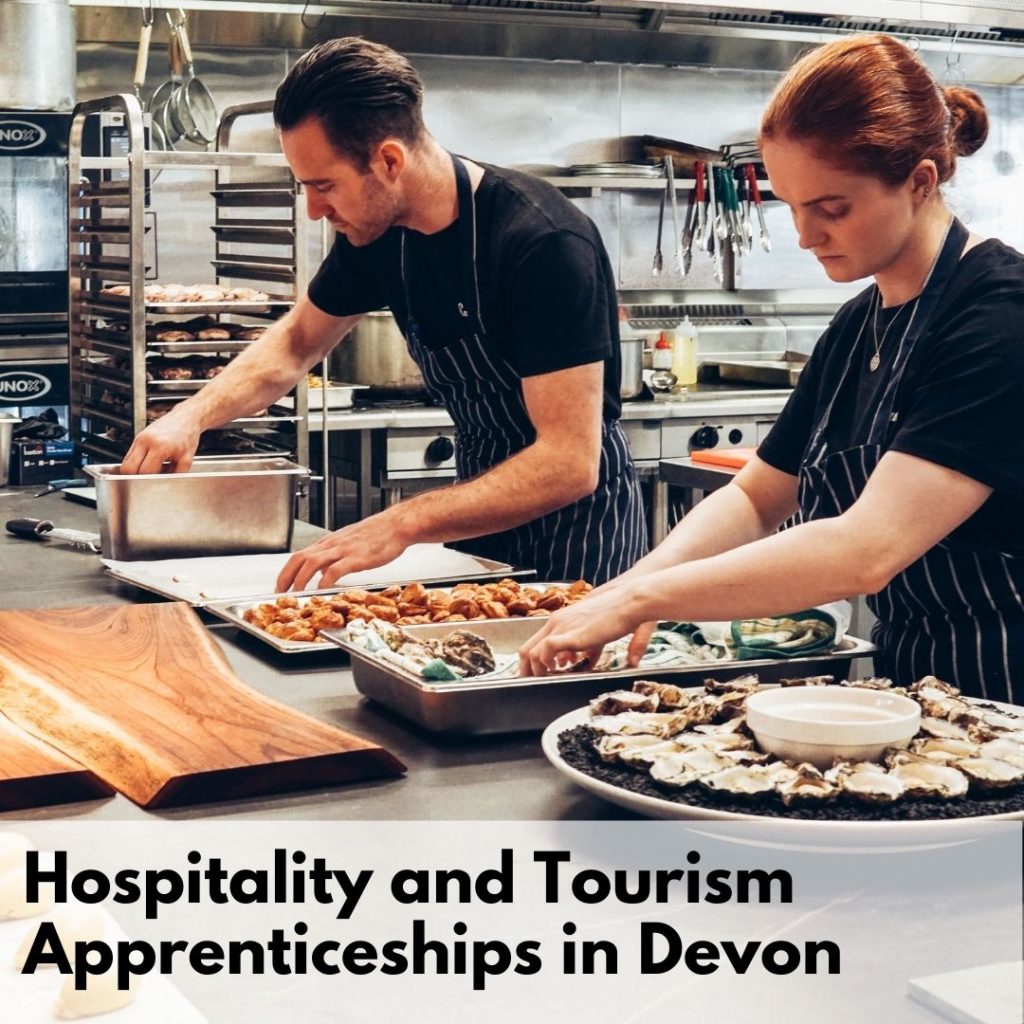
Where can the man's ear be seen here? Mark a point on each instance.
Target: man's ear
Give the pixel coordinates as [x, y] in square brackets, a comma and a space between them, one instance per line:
[389, 160]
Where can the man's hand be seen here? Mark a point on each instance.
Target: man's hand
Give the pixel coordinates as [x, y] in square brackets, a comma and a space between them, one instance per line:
[172, 439]
[364, 545]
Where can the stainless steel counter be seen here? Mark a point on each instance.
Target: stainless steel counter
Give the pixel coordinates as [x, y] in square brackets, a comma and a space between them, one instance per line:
[655, 429]
[714, 404]
[493, 778]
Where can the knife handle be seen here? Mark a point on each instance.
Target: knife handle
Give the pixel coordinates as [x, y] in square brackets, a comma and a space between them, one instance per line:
[31, 529]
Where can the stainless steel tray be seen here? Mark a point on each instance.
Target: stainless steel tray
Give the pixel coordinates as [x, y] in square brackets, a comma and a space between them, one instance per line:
[475, 708]
[778, 372]
[234, 611]
[243, 579]
[121, 303]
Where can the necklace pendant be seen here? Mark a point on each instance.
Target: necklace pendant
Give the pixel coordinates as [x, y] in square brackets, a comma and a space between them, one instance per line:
[874, 363]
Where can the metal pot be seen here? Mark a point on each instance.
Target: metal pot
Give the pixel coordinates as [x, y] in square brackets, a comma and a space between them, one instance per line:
[631, 383]
[38, 69]
[376, 354]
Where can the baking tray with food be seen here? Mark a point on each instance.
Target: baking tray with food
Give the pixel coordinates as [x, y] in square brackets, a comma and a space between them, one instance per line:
[189, 296]
[497, 700]
[208, 580]
[293, 622]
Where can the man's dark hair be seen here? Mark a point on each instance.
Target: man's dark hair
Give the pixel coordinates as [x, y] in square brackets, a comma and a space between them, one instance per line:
[361, 92]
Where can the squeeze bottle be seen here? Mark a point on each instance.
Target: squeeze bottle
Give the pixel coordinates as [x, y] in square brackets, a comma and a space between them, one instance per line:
[684, 355]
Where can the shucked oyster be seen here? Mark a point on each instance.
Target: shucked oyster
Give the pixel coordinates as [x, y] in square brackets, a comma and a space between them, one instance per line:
[1005, 749]
[989, 772]
[669, 697]
[807, 783]
[738, 684]
[617, 701]
[866, 781]
[623, 746]
[466, 651]
[927, 778]
[743, 780]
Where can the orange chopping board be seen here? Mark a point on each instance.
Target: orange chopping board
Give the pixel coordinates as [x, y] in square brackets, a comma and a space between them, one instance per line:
[33, 774]
[143, 696]
[734, 457]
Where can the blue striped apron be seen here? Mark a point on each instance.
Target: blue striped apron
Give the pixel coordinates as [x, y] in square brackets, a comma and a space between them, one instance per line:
[595, 538]
[957, 611]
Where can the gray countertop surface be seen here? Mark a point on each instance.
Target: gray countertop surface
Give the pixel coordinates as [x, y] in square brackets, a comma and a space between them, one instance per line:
[488, 778]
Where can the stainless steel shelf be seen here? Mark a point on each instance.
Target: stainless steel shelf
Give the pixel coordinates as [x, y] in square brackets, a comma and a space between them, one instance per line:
[108, 225]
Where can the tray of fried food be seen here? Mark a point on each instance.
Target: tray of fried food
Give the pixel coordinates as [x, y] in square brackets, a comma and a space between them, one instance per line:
[292, 623]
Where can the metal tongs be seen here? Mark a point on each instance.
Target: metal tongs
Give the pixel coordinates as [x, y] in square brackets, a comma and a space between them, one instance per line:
[676, 237]
[766, 242]
[659, 260]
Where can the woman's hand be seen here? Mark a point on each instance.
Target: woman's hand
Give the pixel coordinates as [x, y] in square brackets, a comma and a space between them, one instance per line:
[580, 632]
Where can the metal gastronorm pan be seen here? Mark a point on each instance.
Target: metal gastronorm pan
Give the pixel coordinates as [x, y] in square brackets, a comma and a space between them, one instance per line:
[219, 507]
[473, 708]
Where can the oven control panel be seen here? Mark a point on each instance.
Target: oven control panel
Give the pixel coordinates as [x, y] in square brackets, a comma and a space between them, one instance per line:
[415, 453]
[682, 437]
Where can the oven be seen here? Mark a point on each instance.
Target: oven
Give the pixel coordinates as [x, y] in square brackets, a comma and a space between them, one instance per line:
[33, 264]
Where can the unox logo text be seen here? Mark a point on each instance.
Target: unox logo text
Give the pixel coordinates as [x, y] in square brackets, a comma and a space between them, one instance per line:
[20, 135]
[22, 386]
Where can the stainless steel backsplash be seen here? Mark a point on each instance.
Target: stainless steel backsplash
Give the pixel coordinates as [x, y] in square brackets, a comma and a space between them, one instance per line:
[539, 114]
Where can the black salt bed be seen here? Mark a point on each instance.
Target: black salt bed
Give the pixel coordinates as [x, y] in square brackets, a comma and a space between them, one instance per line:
[577, 749]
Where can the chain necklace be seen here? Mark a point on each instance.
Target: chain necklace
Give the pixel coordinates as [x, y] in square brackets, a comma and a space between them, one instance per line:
[876, 359]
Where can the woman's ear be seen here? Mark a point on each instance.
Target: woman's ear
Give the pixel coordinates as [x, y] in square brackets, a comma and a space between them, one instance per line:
[924, 180]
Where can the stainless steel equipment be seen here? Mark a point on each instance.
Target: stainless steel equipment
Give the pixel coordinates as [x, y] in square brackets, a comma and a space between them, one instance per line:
[115, 338]
[33, 235]
[38, 69]
[376, 354]
[475, 707]
[632, 379]
[404, 456]
[33, 262]
[7, 425]
[217, 508]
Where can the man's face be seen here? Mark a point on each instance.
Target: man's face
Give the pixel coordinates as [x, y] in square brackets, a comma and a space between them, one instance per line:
[360, 205]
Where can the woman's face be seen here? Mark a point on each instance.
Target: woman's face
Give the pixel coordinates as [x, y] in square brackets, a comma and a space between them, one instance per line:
[855, 224]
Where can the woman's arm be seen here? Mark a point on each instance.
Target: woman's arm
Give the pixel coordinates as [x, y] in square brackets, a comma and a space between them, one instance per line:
[751, 506]
[907, 507]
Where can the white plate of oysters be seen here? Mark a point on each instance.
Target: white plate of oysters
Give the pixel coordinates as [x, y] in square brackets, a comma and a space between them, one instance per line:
[695, 740]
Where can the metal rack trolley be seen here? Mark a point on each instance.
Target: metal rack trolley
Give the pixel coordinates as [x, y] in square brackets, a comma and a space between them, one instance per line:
[259, 230]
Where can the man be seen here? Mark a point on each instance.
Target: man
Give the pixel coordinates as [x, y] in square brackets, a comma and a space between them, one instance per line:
[506, 297]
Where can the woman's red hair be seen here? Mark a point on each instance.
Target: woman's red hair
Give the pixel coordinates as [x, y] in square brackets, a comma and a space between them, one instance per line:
[869, 105]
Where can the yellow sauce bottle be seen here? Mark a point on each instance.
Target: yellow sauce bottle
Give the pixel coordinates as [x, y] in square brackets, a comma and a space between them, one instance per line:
[684, 355]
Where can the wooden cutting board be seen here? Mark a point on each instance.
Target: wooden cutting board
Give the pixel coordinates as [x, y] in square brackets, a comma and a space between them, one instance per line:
[143, 696]
[33, 774]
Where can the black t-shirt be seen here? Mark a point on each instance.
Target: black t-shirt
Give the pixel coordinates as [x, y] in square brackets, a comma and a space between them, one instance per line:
[547, 291]
[960, 403]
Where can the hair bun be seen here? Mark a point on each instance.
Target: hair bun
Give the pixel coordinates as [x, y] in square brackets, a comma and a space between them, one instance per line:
[969, 127]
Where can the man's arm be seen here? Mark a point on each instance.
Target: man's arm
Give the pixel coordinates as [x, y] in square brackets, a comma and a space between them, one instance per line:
[253, 380]
[560, 467]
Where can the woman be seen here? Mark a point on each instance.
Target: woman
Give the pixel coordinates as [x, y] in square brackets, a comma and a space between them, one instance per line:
[902, 447]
